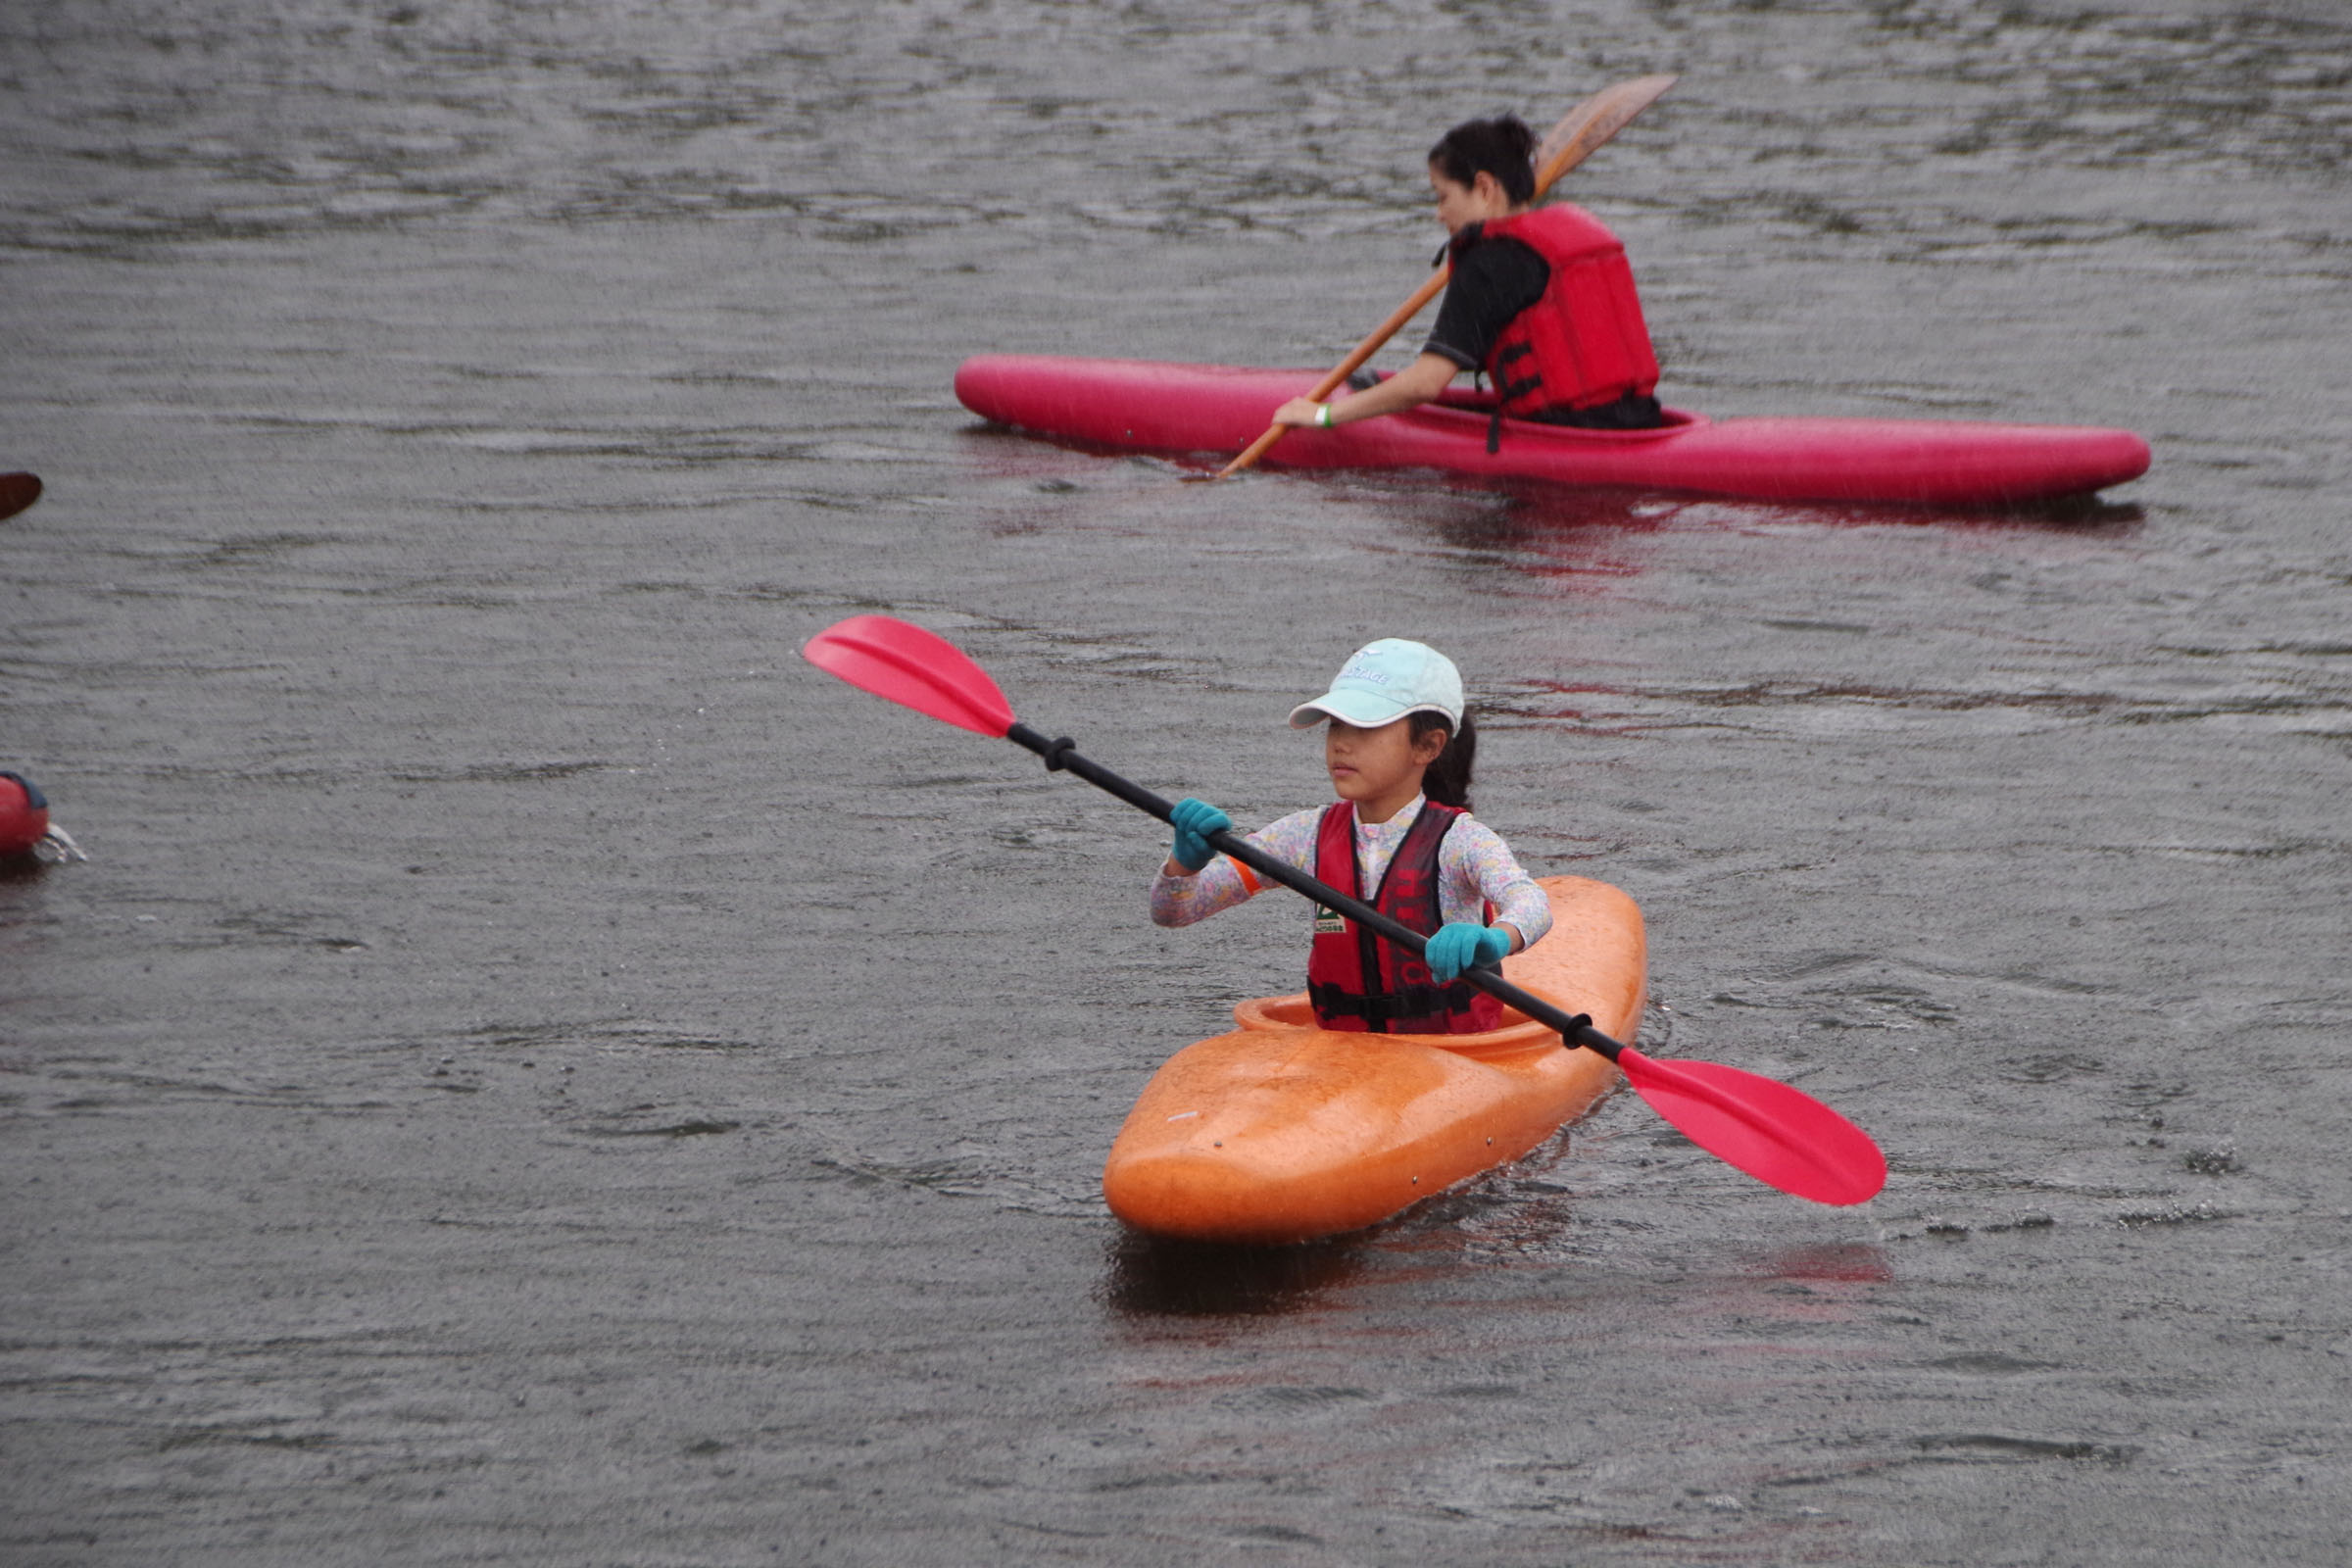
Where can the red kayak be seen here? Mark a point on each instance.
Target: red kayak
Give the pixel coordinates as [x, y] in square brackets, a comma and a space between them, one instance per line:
[1142, 404]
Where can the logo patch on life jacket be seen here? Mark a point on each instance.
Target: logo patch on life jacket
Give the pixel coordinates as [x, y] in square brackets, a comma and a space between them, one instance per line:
[1329, 923]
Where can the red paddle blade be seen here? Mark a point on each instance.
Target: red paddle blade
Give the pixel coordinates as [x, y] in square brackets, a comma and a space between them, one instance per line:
[18, 491]
[1781, 1136]
[912, 667]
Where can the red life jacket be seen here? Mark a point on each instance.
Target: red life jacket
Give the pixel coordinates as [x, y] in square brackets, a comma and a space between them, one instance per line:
[1358, 982]
[1584, 343]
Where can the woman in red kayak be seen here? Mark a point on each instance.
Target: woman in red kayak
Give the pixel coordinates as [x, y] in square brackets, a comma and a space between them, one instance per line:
[1400, 838]
[1541, 300]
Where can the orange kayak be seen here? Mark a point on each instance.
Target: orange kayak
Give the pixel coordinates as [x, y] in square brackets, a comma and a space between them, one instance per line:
[1282, 1132]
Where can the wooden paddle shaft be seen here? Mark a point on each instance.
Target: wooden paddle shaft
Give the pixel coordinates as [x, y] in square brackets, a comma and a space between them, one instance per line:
[1061, 756]
[1347, 367]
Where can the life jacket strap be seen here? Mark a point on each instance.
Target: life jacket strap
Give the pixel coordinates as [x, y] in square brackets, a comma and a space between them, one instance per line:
[1379, 1012]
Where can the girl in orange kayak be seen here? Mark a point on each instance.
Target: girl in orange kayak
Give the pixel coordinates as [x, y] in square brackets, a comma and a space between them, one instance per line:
[1541, 300]
[1400, 837]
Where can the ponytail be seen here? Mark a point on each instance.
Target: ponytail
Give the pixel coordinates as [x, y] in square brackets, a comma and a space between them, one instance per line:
[1448, 780]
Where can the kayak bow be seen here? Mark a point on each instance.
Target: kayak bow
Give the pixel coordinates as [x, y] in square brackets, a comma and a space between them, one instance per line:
[1281, 1131]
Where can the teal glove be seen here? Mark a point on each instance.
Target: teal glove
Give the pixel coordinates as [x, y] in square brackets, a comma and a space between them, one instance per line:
[1193, 821]
[1466, 945]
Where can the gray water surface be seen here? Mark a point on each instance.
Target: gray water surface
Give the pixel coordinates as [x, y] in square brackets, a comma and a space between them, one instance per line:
[532, 1072]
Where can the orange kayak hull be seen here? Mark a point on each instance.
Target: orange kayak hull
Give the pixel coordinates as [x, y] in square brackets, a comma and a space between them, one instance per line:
[1284, 1132]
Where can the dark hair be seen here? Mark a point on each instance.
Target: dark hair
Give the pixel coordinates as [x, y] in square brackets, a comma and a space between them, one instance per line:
[1502, 147]
[1447, 781]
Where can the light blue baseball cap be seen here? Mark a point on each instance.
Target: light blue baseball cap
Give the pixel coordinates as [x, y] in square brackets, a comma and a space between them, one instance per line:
[1384, 681]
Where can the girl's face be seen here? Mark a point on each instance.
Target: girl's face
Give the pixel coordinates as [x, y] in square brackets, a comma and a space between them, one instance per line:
[1378, 767]
[1482, 199]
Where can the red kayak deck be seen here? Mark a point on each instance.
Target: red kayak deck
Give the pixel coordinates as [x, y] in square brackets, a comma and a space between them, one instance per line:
[1281, 1131]
[1150, 405]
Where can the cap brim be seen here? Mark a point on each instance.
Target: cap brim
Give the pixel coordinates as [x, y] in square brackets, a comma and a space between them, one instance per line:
[1360, 709]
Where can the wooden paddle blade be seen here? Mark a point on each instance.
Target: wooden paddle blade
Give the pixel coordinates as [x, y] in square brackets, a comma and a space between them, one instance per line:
[913, 667]
[17, 492]
[1249, 458]
[1583, 129]
[1781, 1136]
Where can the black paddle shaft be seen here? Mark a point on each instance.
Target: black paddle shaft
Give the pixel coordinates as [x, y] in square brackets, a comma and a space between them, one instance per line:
[1575, 1029]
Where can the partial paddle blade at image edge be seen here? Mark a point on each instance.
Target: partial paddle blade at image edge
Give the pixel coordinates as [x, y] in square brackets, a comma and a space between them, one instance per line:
[18, 491]
[915, 669]
[1781, 1136]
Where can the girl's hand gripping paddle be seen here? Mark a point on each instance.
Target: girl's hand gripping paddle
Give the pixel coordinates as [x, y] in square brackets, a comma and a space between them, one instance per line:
[1781, 1137]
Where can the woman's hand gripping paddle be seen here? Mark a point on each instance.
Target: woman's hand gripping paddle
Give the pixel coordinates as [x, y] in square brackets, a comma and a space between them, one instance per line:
[1578, 135]
[1776, 1134]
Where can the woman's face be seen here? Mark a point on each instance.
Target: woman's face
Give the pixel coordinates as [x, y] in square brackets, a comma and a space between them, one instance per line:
[1458, 204]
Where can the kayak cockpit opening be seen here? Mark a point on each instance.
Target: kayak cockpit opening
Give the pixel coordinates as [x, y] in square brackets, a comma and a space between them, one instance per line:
[1293, 1012]
[1481, 406]
[1480, 401]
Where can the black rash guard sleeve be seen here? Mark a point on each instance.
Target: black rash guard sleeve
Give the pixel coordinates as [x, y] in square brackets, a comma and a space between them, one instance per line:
[1492, 282]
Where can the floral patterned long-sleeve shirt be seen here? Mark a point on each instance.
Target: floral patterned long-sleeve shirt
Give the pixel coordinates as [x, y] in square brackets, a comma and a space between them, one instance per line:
[1475, 869]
